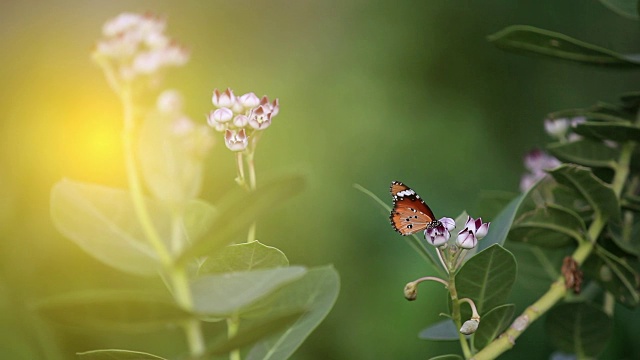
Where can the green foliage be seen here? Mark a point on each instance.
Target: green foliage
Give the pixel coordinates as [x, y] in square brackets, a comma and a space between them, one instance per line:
[243, 257]
[102, 221]
[316, 292]
[112, 310]
[444, 330]
[585, 152]
[237, 211]
[492, 324]
[226, 294]
[257, 331]
[579, 328]
[529, 39]
[551, 226]
[487, 278]
[598, 195]
[615, 275]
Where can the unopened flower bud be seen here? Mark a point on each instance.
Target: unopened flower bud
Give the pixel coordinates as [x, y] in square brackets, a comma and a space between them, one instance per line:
[470, 326]
[411, 291]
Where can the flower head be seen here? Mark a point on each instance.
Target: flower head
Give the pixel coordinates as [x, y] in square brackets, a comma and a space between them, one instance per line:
[437, 233]
[236, 140]
[536, 161]
[249, 113]
[474, 230]
[135, 45]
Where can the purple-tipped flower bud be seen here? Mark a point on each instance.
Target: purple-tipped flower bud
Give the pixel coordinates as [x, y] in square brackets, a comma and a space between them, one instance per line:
[436, 235]
[240, 121]
[225, 99]
[219, 116]
[249, 100]
[236, 141]
[466, 239]
[448, 223]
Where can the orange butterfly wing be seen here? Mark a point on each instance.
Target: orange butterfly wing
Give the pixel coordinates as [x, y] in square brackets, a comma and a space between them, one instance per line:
[410, 214]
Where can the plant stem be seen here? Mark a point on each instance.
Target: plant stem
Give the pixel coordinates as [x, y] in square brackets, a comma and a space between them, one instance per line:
[177, 276]
[455, 314]
[133, 178]
[233, 324]
[251, 236]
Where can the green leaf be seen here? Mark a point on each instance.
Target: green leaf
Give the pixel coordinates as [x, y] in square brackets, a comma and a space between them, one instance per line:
[238, 211]
[585, 152]
[317, 291]
[116, 354]
[444, 330]
[579, 328]
[599, 195]
[500, 226]
[615, 275]
[492, 324]
[550, 226]
[626, 232]
[616, 131]
[631, 202]
[631, 100]
[244, 257]
[447, 357]
[113, 310]
[255, 332]
[537, 267]
[102, 221]
[487, 278]
[529, 39]
[224, 294]
[625, 8]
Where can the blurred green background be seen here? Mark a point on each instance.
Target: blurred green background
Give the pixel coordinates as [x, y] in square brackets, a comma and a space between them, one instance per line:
[370, 92]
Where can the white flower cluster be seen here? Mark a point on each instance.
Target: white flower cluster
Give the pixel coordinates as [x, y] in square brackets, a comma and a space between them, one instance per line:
[136, 45]
[239, 117]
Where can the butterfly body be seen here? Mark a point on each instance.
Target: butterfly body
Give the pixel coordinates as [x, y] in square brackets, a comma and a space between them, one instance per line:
[410, 213]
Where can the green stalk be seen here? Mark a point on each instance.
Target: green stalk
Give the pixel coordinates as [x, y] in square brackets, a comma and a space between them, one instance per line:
[233, 324]
[177, 276]
[455, 314]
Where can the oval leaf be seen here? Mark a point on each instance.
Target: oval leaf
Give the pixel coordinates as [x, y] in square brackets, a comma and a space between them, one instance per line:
[487, 278]
[616, 131]
[529, 39]
[112, 310]
[599, 195]
[317, 291]
[116, 354]
[615, 275]
[224, 294]
[244, 257]
[579, 328]
[492, 324]
[256, 331]
[585, 152]
[551, 226]
[445, 330]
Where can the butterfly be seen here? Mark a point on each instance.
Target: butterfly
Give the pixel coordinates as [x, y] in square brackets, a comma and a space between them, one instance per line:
[410, 214]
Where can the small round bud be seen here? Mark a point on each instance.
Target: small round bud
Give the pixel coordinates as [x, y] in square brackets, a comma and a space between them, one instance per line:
[411, 291]
[470, 326]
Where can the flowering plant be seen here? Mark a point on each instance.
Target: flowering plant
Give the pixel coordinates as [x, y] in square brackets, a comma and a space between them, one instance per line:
[572, 231]
[158, 227]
